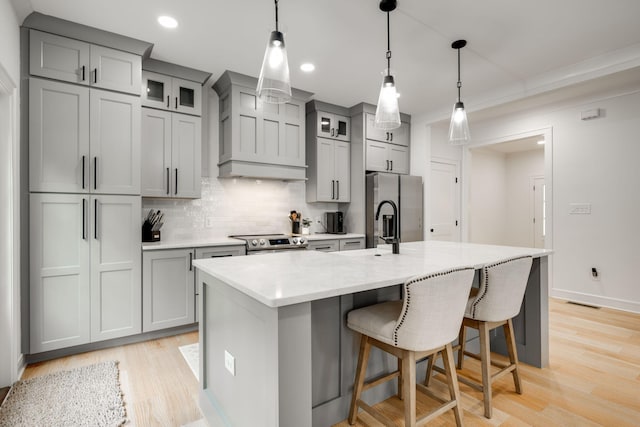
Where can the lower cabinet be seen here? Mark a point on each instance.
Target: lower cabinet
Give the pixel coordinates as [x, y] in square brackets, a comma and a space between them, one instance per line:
[168, 298]
[84, 269]
[169, 290]
[334, 245]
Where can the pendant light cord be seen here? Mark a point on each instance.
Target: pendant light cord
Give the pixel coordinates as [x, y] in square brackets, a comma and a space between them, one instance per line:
[388, 46]
[276, 1]
[459, 82]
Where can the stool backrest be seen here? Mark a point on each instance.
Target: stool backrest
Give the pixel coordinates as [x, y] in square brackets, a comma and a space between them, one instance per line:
[502, 287]
[432, 309]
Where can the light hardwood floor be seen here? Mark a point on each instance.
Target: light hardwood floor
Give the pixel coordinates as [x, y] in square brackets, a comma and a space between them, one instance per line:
[593, 378]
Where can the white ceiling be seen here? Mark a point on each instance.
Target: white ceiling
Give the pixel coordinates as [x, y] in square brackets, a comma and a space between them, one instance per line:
[515, 49]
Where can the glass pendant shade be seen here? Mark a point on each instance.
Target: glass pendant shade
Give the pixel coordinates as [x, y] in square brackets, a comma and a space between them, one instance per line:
[459, 127]
[387, 112]
[274, 84]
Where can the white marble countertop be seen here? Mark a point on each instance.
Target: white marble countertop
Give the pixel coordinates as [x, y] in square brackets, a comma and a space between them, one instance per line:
[328, 236]
[286, 278]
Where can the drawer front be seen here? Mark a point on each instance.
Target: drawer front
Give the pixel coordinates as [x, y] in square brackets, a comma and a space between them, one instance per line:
[352, 244]
[324, 245]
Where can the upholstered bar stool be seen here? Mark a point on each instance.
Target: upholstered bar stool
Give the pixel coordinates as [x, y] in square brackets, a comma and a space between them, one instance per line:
[493, 304]
[424, 323]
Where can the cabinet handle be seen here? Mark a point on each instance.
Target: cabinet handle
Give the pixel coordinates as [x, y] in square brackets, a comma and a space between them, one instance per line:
[83, 170]
[190, 261]
[387, 135]
[168, 178]
[332, 132]
[333, 189]
[95, 219]
[84, 218]
[387, 165]
[95, 76]
[391, 164]
[337, 190]
[176, 189]
[95, 173]
[320, 248]
[176, 102]
[83, 72]
[168, 101]
[391, 133]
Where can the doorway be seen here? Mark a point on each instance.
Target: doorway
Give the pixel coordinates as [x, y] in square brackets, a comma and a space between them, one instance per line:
[445, 200]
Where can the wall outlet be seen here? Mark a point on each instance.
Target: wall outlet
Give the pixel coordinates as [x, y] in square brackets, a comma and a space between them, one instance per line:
[230, 363]
[208, 222]
[595, 274]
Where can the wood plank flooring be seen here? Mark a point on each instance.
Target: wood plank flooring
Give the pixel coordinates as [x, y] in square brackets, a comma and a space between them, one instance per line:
[593, 378]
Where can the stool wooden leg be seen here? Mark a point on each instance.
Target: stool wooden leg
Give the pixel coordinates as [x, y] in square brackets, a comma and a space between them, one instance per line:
[400, 391]
[430, 361]
[409, 387]
[462, 338]
[452, 381]
[513, 354]
[485, 362]
[363, 358]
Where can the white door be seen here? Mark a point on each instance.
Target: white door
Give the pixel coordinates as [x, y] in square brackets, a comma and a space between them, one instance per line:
[115, 267]
[538, 214]
[185, 155]
[156, 146]
[342, 171]
[59, 271]
[445, 196]
[58, 137]
[115, 142]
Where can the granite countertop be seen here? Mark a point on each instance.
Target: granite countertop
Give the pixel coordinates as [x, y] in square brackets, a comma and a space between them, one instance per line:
[292, 277]
[199, 242]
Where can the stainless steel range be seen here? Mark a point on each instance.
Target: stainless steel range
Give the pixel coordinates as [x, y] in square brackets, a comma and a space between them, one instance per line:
[269, 243]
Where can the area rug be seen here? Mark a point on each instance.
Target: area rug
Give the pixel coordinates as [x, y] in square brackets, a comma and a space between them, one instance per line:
[86, 396]
[191, 356]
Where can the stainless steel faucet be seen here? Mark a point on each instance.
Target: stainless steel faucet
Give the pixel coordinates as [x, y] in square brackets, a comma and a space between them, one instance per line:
[395, 240]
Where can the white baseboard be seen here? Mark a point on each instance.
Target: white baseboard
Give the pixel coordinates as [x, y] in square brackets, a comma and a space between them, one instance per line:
[22, 364]
[596, 300]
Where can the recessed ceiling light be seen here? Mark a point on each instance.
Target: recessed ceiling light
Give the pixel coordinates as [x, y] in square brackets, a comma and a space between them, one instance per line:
[167, 21]
[307, 67]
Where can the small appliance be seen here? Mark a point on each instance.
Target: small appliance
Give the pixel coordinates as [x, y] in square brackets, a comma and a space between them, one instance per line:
[335, 222]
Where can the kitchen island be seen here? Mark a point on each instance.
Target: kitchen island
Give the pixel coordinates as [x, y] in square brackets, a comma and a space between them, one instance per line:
[274, 347]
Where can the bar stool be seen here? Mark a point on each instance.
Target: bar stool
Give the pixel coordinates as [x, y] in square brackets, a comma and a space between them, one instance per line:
[424, 323]
[493, 304]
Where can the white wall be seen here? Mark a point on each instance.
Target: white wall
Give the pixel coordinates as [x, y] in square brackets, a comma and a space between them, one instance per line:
[488, 198]
[9, 195]
[594, 162]
[520, 168]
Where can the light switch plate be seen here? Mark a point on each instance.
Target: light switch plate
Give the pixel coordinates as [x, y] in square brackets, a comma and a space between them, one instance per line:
[230, 363]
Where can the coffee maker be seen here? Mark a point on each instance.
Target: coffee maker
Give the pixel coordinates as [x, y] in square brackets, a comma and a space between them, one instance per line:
[335, 222]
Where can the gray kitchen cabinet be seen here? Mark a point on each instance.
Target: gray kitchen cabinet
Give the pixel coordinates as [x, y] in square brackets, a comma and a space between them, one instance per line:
[168, 297]
[84, 269]
[324, 245]
[171, 93]
[385, 157]
[258, 139]
[328, 153]
[171, 143]
[74, 61]
[400, 136]
[352, 244]
[83, 140]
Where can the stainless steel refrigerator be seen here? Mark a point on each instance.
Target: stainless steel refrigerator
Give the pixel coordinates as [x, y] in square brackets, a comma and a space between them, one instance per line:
[406, 192]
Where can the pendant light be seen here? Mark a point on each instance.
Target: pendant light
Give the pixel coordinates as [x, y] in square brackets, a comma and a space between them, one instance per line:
[274, 85]
[388, 112]
[459, 127]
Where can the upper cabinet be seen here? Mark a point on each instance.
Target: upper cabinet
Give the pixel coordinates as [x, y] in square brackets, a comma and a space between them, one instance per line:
[333, 126]
[171, 93]
[398, 136]
[257, 139]
[74, 61]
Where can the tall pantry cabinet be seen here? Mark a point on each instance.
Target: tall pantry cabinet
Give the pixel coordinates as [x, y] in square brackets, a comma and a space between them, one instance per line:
[84, 183]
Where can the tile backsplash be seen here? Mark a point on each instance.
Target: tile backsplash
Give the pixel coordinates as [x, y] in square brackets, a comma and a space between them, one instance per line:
[237, 206]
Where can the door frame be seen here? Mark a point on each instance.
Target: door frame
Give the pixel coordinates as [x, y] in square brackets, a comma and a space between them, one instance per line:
[532, 206]
[456, 164]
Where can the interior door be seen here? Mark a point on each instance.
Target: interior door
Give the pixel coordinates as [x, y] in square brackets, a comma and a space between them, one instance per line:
[445, 197]
[539, 220]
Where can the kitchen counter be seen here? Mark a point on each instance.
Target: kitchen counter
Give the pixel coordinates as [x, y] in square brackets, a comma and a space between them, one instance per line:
[328, 236]
[273, 335]
[191, 243]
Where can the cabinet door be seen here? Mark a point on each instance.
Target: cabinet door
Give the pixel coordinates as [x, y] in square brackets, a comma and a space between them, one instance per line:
[187, 96]
[58, 137]
[115, 267]
[325, 181]
[156, 90]
[168, 296]
[185, 156]
[156, 148]
[115, 70]
[115, 143]
[402, 135]
[342, 171]
[376, 157]
[59, 271]
[292, 144]
[398, 159]
[372, 132]
[58, 57]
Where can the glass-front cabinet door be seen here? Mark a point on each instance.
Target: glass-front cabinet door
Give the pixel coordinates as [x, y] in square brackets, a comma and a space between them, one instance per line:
[186, 96]
[333, 126]
[156, 90]
[170, 93]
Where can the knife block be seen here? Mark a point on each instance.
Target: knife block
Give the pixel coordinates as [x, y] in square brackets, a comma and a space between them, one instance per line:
[149, 235]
